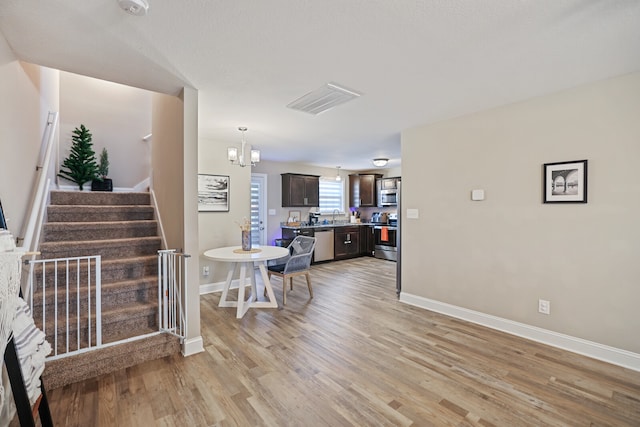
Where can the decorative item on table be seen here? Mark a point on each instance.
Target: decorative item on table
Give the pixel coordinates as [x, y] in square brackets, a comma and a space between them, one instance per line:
[245, 227]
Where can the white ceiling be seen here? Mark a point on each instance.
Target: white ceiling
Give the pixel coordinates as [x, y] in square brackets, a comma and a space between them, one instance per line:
[415, 62]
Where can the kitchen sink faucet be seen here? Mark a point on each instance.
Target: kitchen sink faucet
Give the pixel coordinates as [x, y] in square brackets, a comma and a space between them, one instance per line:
[333, 215]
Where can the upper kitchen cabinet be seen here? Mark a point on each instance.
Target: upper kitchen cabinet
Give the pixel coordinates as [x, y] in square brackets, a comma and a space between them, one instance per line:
[362, 190]
[300, 190]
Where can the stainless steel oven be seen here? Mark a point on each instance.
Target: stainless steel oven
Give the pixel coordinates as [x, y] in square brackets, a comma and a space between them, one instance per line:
[385, 237]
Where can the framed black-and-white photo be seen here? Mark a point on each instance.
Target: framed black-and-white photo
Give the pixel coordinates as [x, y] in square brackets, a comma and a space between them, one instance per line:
[565, 182]
[213, 193]
[3, 221]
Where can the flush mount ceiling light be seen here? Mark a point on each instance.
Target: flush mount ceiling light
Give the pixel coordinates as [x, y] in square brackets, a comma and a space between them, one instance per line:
[134, 7]
[323, 98]
[380, 162]
[237, 158]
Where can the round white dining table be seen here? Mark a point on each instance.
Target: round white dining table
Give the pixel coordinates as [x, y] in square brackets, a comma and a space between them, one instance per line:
[237, 258]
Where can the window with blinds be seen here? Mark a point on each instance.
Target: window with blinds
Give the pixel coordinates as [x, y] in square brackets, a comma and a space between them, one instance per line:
[255, 212]
[331, 195]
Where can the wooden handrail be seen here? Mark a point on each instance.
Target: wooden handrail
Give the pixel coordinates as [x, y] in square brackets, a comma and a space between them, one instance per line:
[40, 192]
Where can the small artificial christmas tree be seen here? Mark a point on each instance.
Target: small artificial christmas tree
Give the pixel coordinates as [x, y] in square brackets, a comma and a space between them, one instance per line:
[81, 164]
[103, 165]
[101, 182]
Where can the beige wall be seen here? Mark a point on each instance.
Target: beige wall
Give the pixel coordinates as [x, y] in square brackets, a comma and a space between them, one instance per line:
[168, 166]
[117, 116]
[28, 94]
[501, 255]
[219, 229]
[174, 159]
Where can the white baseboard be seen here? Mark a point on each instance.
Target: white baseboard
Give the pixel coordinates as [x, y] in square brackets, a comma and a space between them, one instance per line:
[140, 187]
[591, 349]
[208, 288]
[192, 346]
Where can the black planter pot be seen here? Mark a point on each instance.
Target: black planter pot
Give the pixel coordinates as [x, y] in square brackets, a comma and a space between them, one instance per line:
[105, 185]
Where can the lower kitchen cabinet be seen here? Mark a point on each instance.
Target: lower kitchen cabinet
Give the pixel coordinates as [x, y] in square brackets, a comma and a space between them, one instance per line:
[346, 242]
[367, 240]
[335, 243]
[292, 233]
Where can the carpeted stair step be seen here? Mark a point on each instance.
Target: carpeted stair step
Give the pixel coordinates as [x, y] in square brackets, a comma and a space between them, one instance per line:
[114, 295]
[108, 249]
[117, 324]
[117, 270]
[130, 321]
[99, 198]
[67, 231]
[83, 366]
[113, 270]
[90, 213]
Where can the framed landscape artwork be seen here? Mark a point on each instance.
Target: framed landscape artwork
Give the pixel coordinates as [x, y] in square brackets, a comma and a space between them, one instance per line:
[565, 182]
[213, 193]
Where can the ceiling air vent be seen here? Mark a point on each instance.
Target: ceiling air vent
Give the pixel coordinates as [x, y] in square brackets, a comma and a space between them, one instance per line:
[322, 99]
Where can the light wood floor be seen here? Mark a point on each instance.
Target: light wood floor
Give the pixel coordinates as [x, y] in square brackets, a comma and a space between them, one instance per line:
[354, 356]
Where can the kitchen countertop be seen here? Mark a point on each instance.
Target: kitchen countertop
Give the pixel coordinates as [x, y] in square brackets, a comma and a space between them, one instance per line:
[337, 224]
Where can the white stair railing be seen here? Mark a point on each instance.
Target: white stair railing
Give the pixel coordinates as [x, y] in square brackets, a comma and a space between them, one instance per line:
[73, 285]
[172, 281]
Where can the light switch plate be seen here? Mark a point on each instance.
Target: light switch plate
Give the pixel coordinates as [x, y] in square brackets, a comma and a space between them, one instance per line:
[272, 212]
[413, 213]
[477, 195]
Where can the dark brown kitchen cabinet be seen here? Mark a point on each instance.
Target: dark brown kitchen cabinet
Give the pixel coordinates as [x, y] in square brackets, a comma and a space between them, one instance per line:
[292, 233]
[362, 190]
[367, 240]
[346, 242]
[300, 190]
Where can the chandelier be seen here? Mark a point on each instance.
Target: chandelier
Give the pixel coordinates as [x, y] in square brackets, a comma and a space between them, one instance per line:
[238, 158]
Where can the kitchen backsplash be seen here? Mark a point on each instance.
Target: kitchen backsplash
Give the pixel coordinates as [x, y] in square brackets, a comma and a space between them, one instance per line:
[365, 213]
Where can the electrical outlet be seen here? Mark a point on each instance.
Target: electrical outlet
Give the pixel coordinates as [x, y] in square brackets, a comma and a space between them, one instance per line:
[544, 306]
[205, 270]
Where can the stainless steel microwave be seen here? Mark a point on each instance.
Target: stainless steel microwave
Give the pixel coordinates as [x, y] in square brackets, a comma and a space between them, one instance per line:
[388, 198]
[387, 191]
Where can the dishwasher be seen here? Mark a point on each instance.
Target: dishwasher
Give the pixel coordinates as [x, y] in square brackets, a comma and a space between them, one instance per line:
[324, 245]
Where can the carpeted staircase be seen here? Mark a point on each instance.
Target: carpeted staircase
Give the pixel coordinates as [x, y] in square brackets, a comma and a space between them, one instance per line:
[121, 228]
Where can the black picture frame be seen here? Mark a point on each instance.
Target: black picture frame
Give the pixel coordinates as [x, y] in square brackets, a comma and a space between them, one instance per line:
[213, 193]
[3, 220]
[565, 182]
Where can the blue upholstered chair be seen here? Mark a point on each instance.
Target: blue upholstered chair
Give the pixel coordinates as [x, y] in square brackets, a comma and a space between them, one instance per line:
[297, 263]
